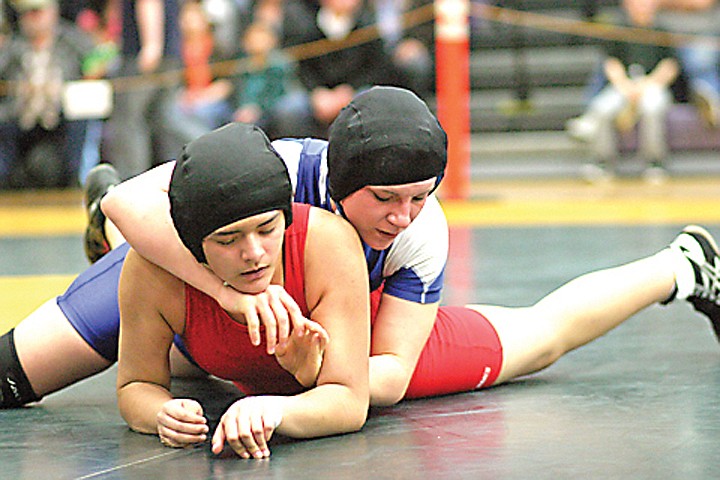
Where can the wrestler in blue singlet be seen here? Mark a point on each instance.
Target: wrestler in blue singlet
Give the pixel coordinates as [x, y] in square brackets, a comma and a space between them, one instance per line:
[412, 268]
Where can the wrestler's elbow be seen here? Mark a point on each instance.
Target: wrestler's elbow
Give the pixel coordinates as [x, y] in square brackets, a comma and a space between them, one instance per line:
[386, 397]
[389, 380]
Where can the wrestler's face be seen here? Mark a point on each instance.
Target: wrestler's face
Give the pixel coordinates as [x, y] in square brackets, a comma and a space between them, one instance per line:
[246, 254]
[380, 213]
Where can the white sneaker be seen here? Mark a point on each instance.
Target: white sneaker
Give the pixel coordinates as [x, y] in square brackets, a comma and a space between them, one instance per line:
[597, 173]
[656, 174]
[581, 129]
[700, 249]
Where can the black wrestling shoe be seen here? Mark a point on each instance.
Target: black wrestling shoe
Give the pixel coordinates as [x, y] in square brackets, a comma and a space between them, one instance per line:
[700, 249]
[98, 182]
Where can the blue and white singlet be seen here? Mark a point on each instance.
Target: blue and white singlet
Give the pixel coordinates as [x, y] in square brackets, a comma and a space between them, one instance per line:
[413, 267]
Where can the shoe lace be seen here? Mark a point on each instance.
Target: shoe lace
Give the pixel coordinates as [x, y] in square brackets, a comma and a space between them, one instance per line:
[710, 288]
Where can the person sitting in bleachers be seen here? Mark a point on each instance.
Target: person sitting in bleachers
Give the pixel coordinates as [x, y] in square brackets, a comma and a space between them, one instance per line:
[688, 73]
[332, 78]
[202, 102]
[39, 147]
[267, 82]
[638, 78]
[410, 49]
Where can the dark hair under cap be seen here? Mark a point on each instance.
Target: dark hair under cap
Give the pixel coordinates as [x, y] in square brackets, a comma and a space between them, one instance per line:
[224, 176]
[384, 136]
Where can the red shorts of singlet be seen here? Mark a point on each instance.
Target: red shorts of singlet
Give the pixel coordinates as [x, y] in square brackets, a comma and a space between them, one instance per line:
[462, 354]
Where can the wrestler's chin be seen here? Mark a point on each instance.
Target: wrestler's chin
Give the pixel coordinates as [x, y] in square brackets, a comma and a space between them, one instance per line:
[252, 283]
[380, 240]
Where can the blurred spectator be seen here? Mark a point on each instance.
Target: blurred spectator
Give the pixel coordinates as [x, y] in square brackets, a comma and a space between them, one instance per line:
[699, 59]
[410, 50]
[269, 12]
[332, 79]
[5, 24]
[202, 102]
[136, 136]
[638, 77]
[269, 81]
[266, 79]
[73, 9]
[101, 21]
[39, 147]
[228, 19]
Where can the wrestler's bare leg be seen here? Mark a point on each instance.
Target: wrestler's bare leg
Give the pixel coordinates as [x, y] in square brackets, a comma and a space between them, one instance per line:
[580, 311]
[55, 356]
[52, 353]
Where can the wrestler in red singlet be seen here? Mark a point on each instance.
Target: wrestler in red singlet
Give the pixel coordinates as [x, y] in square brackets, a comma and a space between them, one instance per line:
[221, 346]
[463, 352]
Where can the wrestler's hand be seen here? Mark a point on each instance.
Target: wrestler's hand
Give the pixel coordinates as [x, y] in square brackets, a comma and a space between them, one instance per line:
[248, 425]
[180, 423]
[302, 354]
[274, 308]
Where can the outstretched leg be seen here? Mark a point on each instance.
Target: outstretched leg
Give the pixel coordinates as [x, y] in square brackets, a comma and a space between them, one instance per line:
[587, 307]
[68, 338]
[44, 353]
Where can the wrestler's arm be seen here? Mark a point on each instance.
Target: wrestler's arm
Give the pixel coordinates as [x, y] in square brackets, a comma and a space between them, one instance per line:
[338, 299]
[140, 208]
[151, 309]
[399, 333]
[336, 290]
[402, 325]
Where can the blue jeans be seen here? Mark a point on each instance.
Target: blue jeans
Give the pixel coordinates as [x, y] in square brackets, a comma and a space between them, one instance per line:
[64, 146]
[700, 62]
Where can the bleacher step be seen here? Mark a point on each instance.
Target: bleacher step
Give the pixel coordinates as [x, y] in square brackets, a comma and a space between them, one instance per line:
[543, 67]
[552, 154]
[547, 108]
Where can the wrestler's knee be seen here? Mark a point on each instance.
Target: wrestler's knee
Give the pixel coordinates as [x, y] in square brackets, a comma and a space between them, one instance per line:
[15, 388]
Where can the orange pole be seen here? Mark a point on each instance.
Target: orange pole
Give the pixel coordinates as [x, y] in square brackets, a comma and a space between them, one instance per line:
[452, 63]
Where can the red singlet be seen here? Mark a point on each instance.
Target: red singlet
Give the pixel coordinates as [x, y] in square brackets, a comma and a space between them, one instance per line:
[463, 352]
[221, 346]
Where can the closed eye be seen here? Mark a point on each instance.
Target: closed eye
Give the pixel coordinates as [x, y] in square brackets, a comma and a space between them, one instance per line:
[225, 241]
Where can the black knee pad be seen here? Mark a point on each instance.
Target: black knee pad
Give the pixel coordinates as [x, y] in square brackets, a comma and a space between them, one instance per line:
[15, 389]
